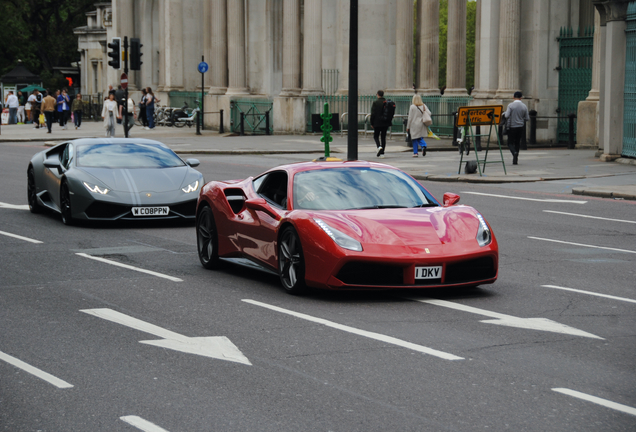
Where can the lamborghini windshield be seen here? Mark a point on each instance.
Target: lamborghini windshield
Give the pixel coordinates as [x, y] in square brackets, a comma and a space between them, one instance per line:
[127, 155]
[358, 188]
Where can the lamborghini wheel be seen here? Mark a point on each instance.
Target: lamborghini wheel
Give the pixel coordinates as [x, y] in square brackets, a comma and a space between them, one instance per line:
[291, 262]
[32, 192]
[207, 239]
[65, 204]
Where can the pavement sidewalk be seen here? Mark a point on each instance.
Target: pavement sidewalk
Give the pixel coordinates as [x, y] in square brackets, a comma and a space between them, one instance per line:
[613, 179]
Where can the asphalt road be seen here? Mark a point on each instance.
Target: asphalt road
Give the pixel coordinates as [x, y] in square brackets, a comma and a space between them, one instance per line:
[466, 363]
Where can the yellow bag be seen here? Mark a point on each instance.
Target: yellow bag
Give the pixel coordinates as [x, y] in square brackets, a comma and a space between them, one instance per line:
[42, 119]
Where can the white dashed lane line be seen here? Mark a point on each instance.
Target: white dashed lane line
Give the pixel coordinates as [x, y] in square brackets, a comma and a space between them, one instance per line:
[597, 400]
[583, 245]
[546, 200]
[34, 371]
[590, 293]
[142, 424]
[590, 217]
[19, 237]
[129, 267]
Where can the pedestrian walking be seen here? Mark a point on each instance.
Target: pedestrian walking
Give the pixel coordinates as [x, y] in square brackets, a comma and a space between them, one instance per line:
[36, 100]
[76, 107]
[130, 115]
[109, 115]
[21, 113]
[63, 107]
[142, 108]
[516, 115]
[381, 118]
[416, 125]
[48, 108]
[12, 103]
[150, 108]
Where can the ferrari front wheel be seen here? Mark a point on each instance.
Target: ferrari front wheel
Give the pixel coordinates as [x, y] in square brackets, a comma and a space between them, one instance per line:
[207, 239]
[65, 204]
[291, 263]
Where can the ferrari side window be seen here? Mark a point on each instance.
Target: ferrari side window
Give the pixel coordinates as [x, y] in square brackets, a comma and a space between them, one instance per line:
[274, 188]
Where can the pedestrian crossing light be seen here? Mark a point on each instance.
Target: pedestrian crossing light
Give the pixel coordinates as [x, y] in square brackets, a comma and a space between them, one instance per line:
[115, 53]
[135, 54]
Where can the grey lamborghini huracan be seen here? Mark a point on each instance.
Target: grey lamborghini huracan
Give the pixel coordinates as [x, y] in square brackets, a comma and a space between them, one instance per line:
[113, 179]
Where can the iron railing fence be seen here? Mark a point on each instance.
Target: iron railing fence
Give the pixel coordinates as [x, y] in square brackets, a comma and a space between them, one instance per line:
[440, 106]
[254, 111]
[92, 107]
[629, 113]
[179, 98]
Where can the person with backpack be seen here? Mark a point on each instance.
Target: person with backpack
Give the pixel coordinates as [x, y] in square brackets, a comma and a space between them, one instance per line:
[382, 112]
[417, 125]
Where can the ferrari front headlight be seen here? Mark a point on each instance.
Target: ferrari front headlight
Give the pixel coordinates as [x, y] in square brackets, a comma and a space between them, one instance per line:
[341, 239]
[191, 187]
[96, 189]
[484, 236]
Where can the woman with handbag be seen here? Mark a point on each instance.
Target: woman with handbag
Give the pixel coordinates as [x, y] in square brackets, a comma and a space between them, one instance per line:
[417, 125]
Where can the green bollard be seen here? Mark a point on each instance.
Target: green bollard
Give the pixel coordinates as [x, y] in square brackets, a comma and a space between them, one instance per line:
[326, 128]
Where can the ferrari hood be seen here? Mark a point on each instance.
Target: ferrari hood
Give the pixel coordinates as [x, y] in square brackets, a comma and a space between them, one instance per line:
[140, 179]
[408, 227]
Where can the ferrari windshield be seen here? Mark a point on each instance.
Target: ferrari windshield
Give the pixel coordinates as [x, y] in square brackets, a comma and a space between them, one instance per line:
[358, 188]
[126, 155]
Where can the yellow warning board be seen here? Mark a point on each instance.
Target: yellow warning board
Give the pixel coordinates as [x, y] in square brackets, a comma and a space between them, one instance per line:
[479, 115]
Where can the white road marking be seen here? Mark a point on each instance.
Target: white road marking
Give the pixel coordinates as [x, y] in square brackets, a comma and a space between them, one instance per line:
[590, 217]
[218, 347]
[542, 324]
[20, 237]
[14, 206]
[35, 371]
[142, 424]
[129, 267]
[371, 335]
[590, 293]
[597, 400]
[583, 245]
[549, 200]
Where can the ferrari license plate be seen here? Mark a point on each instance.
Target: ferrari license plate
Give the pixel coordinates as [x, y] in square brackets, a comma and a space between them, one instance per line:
[150, 211]
[428, 272]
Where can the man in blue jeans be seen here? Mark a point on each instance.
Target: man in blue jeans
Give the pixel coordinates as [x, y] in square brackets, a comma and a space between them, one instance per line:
[516, 117]
[13, 104]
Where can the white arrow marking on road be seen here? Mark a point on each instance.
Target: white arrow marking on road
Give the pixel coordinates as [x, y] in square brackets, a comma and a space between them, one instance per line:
[597, 400]
[14, 206]
[542, 324]
[142, 424]
[218, 347]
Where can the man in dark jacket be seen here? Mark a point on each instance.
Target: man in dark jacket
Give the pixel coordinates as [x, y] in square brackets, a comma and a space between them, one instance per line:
[379, 124]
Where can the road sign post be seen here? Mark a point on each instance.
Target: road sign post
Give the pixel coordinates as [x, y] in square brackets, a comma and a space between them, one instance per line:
[124, 85]
[203, 68]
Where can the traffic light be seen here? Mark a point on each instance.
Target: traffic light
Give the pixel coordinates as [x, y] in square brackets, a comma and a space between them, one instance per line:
[115, 54]
[135, 54]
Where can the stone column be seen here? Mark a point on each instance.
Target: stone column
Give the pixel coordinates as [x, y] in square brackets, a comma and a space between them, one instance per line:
[509, 31]
[291, 48]
[173, 46]
[312, 48]
[596, 59]
[429, 48]
[343, 46]
[237, 74]
[123, 25]
[218, 47]
[587, 112]
[456, 49]
[487, 49]
[404, 48]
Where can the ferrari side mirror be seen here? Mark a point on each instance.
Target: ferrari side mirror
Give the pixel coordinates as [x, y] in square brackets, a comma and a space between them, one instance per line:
[193, 162]
[259, 204]
[450, 199]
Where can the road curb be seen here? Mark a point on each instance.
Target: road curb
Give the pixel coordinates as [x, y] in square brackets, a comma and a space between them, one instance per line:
[628, 192]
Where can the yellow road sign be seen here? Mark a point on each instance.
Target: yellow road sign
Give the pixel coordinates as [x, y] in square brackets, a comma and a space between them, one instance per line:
[479, 115]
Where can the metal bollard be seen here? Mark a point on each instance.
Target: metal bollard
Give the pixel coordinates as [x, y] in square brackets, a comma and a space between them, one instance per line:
[455, 129]
[267, 122]
[199, 121]
[242, 125]
[221, 122]
[533, 127]
[571, 141]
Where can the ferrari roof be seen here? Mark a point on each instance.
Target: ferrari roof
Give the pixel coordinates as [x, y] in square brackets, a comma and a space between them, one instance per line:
[307, 166]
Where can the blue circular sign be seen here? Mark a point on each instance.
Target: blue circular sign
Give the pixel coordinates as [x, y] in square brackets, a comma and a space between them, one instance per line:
[203, 67]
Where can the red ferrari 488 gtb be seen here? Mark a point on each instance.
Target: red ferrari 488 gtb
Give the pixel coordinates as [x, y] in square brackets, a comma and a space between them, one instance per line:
[344, 225]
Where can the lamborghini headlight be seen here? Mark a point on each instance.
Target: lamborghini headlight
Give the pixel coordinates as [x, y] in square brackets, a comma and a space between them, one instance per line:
[341, 239]
[484, 236]
[191, 187]
[96, 189]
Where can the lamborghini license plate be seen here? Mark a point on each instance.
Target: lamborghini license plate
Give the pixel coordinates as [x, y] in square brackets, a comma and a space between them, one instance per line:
[150, 211]
[428, 272]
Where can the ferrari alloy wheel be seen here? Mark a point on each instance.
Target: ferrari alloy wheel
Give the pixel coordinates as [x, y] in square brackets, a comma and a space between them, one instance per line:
[65, 204]
[291, 264]
[207, 239]
[31, 192]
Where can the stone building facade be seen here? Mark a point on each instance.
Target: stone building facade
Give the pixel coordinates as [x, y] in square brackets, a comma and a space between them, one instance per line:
[280, 49]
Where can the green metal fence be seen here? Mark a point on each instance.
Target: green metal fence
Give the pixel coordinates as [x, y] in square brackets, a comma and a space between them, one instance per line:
[575, 74]
[629, 116]
[441, 107]
[180, 98]
[254, 111]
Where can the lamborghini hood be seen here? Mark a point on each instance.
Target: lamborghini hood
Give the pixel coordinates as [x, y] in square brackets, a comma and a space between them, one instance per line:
[155, 180]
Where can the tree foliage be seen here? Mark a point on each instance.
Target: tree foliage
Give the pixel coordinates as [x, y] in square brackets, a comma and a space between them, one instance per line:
[40, 33]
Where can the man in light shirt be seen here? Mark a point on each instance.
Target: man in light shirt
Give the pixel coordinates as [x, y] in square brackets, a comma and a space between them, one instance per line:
[516, 117]
[13, 104]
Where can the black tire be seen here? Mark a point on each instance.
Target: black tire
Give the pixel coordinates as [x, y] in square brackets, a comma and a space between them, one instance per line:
[207, 239]
[291, 262]
[34, 207]
[176, 114]
[65, 204]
